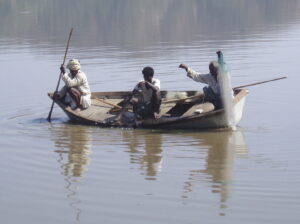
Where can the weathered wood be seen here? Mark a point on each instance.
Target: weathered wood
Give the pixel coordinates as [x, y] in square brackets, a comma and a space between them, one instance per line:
[165, 108]
[199, 109]
[111, 95]
[123, 94]
[99, 113]
[183, 99]
[94, 113]
[108, 103]
[241, 94]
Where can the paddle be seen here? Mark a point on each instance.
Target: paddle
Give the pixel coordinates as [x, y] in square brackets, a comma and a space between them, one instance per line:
[50, 113]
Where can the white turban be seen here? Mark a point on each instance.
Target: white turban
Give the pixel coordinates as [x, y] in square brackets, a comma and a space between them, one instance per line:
[73, 64]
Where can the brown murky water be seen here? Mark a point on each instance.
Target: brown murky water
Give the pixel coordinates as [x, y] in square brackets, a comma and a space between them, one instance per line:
[61, 172]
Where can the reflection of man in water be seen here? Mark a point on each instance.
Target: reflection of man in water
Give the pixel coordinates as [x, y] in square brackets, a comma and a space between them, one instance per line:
[145, 149]
[222, 148]
[77, 141]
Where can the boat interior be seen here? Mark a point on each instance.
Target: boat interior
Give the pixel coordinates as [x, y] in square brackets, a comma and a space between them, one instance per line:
[175, 104]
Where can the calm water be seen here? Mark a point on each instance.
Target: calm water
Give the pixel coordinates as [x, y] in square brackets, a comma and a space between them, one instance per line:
[60, 172]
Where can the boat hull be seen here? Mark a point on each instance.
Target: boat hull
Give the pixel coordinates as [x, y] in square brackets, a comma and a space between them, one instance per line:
[213, 120]
[98, 114]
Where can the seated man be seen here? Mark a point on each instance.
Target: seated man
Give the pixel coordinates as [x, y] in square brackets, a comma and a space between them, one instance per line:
[145, 101]
[146, 98]
[212, 92]
[76, 92]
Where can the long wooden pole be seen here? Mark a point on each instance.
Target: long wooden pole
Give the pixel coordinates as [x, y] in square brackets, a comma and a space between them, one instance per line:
[237, 87]
[66, 51]
[258, 83]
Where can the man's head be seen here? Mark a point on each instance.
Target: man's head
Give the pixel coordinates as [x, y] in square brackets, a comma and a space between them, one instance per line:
[74, 66]
[214, 68]
[148, 73]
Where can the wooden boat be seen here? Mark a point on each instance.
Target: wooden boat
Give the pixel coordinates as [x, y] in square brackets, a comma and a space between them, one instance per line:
[188, 113]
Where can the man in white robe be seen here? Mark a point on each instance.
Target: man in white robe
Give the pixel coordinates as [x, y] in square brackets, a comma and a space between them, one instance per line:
[76, 92]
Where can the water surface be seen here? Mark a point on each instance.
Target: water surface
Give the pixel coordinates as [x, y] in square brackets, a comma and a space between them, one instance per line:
[61, 172]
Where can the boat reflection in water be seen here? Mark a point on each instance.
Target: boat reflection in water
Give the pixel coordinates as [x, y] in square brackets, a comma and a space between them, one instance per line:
[205, 160]
[209, 157]
[73, 146]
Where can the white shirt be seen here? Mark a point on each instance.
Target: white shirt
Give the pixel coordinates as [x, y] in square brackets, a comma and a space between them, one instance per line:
[205, 78]
[79, 82]
[147, 92]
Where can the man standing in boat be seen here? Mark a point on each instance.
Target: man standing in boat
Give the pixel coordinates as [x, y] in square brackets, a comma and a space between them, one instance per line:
[212, 92]
[76, 92]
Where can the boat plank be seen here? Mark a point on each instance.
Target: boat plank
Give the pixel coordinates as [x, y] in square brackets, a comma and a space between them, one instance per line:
[109, 101]
[199, 108]
[165, 108]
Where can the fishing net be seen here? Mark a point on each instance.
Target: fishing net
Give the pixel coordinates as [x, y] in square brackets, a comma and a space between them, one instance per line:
[226, 91]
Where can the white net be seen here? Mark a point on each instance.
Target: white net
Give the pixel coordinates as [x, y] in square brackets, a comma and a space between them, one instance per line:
[224, 79]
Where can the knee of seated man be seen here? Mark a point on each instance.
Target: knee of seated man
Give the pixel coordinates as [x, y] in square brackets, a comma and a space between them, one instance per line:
[74, 90]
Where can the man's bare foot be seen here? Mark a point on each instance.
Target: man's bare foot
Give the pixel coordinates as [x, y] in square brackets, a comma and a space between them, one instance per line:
[77, 109]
